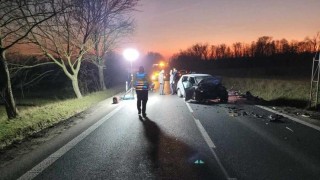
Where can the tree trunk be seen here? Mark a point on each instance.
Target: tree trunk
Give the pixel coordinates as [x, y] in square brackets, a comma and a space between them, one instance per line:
[75, 86]
[6, 89]
[101, 77]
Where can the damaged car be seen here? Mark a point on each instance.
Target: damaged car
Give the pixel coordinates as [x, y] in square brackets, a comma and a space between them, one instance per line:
[201, 87]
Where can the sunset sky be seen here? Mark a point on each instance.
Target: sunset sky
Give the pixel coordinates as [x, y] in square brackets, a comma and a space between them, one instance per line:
[167, 26]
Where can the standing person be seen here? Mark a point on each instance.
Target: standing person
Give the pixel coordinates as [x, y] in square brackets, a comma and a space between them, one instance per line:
[171, 82]
[175, 80]
[161, 82]
[142, 86]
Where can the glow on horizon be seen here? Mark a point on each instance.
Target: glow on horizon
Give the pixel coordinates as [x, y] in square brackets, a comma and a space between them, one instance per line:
[168, 26]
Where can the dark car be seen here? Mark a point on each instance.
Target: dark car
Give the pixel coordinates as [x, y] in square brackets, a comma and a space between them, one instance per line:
[208, 88]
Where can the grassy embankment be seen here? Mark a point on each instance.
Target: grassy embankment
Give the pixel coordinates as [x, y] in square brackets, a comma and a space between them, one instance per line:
[45, 114]
[286, 92]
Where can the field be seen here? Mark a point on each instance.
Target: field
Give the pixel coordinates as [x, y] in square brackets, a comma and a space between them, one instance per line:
[282, 92]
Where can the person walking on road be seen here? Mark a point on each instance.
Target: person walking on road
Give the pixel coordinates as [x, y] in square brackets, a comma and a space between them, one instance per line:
[161, 82]
[142, 87]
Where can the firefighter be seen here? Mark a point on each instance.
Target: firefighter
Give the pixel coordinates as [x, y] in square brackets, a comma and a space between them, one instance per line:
[141, 85]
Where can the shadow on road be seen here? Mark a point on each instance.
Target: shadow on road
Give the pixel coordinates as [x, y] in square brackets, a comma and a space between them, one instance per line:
[173, 159]
[288, 103]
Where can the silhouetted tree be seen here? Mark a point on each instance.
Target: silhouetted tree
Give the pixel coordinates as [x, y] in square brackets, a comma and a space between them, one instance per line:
[114, 26]
[17, 19]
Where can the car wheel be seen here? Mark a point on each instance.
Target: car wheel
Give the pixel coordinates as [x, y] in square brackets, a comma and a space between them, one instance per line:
[179, 93]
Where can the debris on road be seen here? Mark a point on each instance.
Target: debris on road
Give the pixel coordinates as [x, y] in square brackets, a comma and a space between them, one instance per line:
[275, 118]
[305, 115]
[234, 114]
[256, 115]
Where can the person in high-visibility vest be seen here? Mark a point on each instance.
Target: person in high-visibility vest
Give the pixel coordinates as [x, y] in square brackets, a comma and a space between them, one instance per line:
[142, 87]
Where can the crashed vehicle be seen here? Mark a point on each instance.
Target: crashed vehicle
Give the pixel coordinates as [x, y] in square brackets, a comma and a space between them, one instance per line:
[201, 87]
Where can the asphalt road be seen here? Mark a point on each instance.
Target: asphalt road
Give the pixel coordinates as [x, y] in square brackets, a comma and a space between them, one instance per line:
[180, 140]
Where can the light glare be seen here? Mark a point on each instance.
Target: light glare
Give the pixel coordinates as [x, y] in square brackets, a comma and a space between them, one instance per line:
[130, 54]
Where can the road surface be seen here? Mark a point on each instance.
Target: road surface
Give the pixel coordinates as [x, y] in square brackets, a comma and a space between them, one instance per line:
[180, 140]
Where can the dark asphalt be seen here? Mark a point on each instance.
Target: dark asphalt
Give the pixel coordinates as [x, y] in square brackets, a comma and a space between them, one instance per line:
[165, 145]
[252, 147]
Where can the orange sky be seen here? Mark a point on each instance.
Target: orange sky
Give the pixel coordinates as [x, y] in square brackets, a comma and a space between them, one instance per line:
[167, 26]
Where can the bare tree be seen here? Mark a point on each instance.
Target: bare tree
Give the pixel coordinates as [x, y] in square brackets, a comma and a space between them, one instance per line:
[314, 41]
[212, 52]
[221, 51]
[199, 51]
[115, 25]
[67, 37]
[17, 19]
[263, 46]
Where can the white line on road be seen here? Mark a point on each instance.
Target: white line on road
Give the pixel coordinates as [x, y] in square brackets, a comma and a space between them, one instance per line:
[292, 118]
[289, 129]
[204, 134]
[210, 143]
[189, 108]
[56, 155]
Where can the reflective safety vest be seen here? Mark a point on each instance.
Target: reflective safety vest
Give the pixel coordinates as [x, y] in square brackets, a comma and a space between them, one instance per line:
[141, 81]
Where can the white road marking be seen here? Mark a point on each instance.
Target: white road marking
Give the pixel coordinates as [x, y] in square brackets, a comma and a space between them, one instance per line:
[210, 143]
[292, 118]
[204, 134]
[289, 129]
[189, 108]
[56, 155]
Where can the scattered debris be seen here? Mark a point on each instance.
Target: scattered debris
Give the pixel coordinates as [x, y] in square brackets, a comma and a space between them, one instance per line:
[249, 96]
[115, 100]
[275, 118]
[256, 115]
[305, 115]
[232, 92]
[244, 113]
[234, 114]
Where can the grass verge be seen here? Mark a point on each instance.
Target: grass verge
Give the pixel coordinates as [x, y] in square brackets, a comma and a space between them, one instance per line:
[288, 91]
[34, 119]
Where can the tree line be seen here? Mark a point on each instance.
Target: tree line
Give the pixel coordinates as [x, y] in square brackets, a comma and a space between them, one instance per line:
[265, 46]
[266, 51]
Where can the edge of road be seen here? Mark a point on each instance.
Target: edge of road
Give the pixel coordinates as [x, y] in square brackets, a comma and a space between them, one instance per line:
[311, 125]
[15, 168]
[36, 170]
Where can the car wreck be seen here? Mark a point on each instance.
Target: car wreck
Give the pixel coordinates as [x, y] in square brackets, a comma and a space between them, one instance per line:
[201, 87]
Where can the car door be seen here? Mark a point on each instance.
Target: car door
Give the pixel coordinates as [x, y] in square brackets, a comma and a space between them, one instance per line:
[183, 83]
[189, 88]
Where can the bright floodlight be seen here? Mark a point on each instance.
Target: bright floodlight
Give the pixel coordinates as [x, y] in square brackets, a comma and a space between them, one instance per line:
[131, 54]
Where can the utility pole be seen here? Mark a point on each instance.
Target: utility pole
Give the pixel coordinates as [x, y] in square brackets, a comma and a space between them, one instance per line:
[314, 88]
